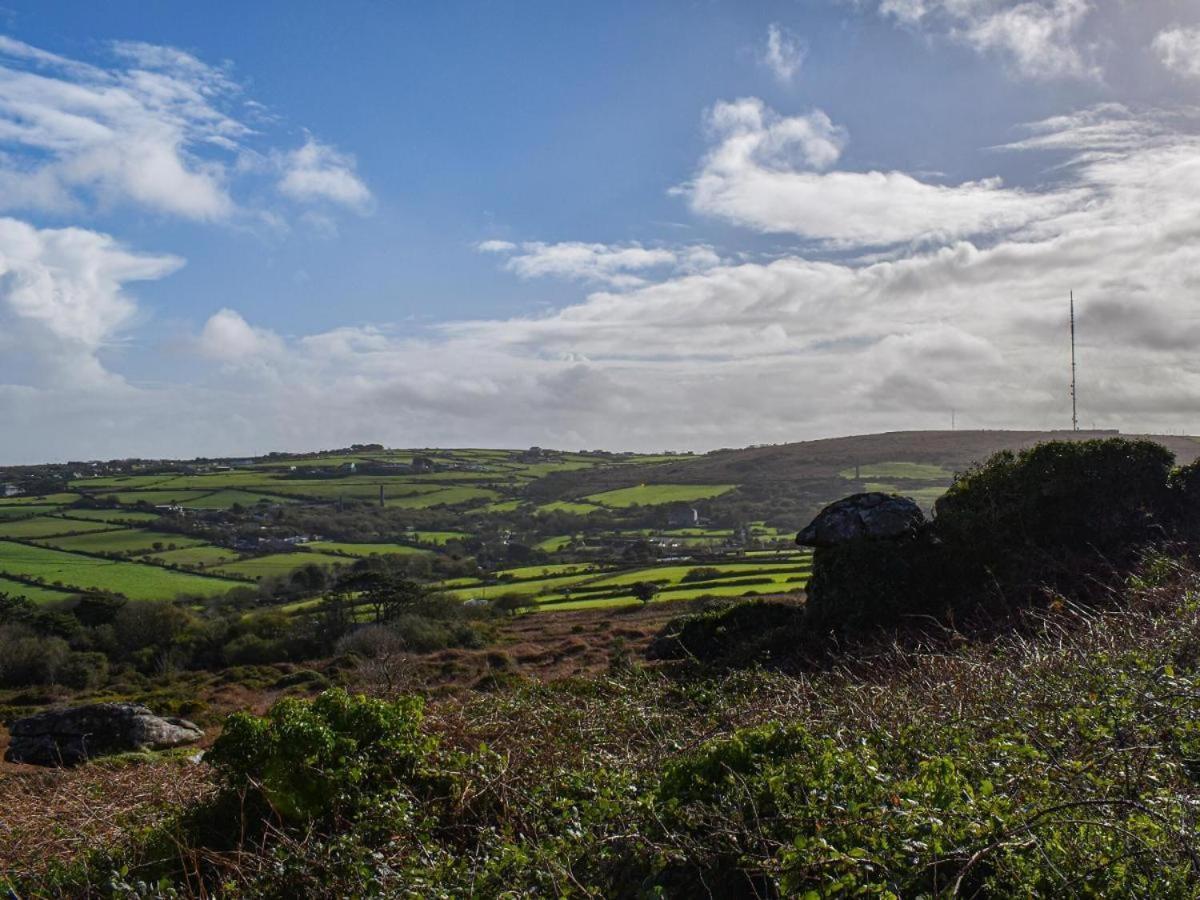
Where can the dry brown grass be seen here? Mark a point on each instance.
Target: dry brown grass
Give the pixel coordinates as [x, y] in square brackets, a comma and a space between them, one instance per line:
[53, 816]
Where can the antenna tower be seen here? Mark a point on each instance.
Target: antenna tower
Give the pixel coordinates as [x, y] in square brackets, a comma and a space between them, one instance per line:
[1074, 410]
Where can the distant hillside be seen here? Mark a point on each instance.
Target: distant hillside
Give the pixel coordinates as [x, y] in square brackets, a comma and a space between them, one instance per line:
[787, 483]
[826, 458]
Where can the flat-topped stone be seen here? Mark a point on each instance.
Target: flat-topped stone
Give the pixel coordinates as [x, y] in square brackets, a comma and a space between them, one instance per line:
[870, 515]
[72, 735]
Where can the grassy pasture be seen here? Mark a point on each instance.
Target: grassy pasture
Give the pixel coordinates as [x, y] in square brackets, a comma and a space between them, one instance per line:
[39, 500]
[567, 506]
[448, 496]
[135, 580]
[114, 516]
[520, 588]
[355, 489]
[364, 549]
[504, 506]
[548, 570]
[554, 544]
[658, 494]
[33, 593]
[127, 540]
[560, 603]
[200, 555]
[277, 564]
[892, 471]
[438, 538]
[109, 483]
[158, 498]
[46, 526]
[224, 499]
[22, 512]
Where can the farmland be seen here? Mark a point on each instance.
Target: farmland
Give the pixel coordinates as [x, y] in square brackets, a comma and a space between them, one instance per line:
[88, 573]
[559, 528]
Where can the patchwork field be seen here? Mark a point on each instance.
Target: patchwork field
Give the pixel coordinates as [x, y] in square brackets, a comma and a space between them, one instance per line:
[658, 494]
[125, 541]
[277, 564]
[364, 549]
[33, 593]
[135, 580]
[50, 525]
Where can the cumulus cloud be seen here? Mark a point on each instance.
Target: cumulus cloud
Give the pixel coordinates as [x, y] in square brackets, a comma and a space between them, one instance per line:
[1039, 39]
[157, 128]
[316, 171]
[767, 172]
[63, 298]
[783, 54]
[1179, 50]
[229, 338]
[613, 265]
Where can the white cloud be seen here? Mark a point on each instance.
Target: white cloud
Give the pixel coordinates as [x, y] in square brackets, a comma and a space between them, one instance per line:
[783, 53]
[319, 172]
[618, 266]
[495, 246]
[1179, 50]
[764, 172]
[1039, 39]
[62, 297]
[158, 129]
[228, 338]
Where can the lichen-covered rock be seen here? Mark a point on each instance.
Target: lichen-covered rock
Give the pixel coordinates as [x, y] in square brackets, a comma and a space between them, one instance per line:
[67, 737]
[871, 515]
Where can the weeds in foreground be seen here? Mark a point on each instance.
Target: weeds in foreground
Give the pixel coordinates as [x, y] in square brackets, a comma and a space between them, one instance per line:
[1062, 761]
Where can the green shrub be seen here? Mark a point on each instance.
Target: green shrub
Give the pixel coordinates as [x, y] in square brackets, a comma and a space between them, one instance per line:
[322, 759]
[83, 671]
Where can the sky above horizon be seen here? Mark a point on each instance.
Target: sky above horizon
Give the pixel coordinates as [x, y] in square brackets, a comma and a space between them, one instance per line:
[233, 228]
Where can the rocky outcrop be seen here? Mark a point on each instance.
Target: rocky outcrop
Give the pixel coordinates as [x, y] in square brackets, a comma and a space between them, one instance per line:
[67, 737]
[871, 515]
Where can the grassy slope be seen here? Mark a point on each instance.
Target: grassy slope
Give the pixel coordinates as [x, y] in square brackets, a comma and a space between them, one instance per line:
[136, 581]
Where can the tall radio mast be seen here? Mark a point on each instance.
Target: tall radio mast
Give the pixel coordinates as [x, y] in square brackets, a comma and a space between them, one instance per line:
[1074, 410]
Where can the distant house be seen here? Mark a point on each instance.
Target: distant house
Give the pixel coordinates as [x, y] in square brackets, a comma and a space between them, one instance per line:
[683, 517]
[9, 490]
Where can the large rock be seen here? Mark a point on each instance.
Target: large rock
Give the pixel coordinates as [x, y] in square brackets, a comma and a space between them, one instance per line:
[67, 737]
[872, 515]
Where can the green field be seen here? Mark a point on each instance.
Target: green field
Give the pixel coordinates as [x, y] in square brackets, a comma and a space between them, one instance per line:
[39, 500]
[50, 525]
[364, 549]
[125, 541]
[438, 538]
[277, 564]
[224, 499]
[21, 512]
[201, 555]
[658, 494]
[554, 544]
[567, 506]
[448, 496]
[158, 498]
[134, 580]
[115, 516]
[899, 470]
[519, 588]
[32, 593]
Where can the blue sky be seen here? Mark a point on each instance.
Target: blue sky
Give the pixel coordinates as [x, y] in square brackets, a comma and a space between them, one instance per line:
[228, 228]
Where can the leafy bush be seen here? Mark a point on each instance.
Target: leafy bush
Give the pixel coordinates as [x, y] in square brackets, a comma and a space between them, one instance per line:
[322, 759]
